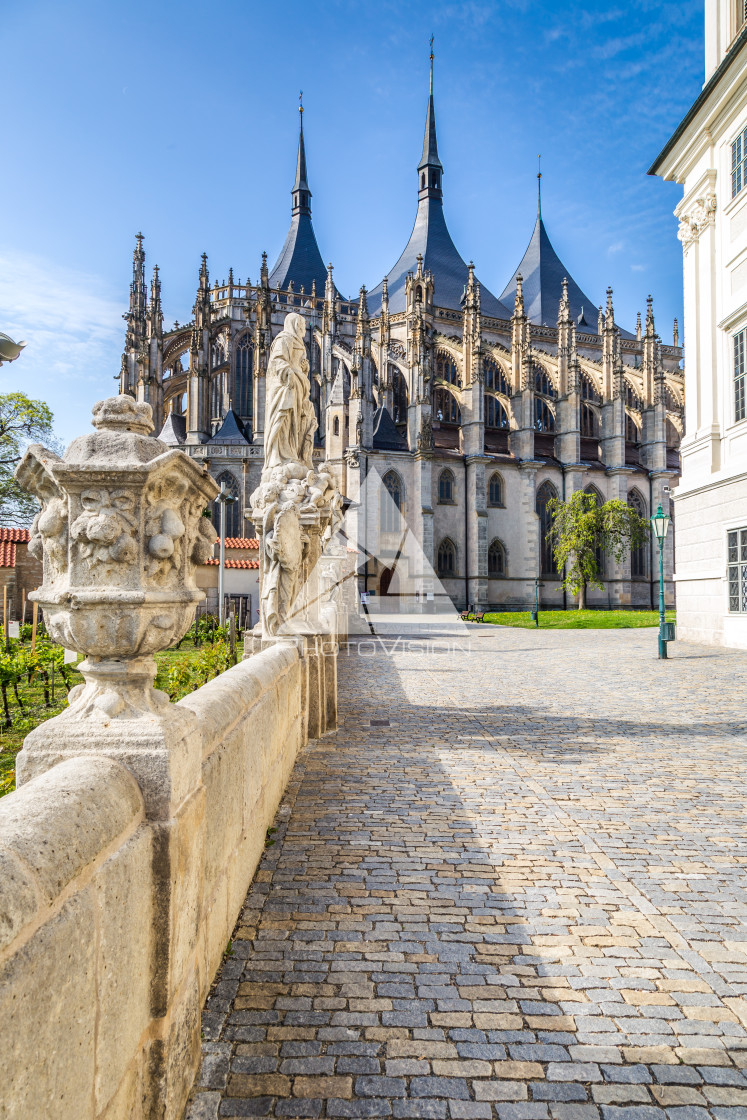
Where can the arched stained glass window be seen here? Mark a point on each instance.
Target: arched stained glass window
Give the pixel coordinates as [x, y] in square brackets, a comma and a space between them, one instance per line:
[391, 503]
[495, 378]
[543, 383]
[495, 490]
[547, 560]
[589, 389]
[446, 368]
[544, 417]
[216, 397]
[632, 431]
[233, 509]
[638, 556]
[242, 402]
[446, 559]
[496, 560]
[400, 398]
[633, 398]
[446, 487]
[495, 414]
[589, 421]
[445, 407]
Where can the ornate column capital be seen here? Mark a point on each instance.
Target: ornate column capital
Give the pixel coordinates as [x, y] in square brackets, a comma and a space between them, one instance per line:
[700, 214]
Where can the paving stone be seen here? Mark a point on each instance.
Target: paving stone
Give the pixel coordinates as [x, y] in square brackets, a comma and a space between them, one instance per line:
[358, 1109]
[425, 1109]
[552, 1091]
[529, 889]
[469, 1110]
[449, 1087]
[380, 1087]
[563, 1111]
[204, 1107]
[521, 1111]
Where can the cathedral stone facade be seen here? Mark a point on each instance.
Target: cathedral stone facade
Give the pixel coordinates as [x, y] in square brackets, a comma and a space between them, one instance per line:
[474, 410]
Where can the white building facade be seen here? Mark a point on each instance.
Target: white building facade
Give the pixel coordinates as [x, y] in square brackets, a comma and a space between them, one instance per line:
[708, 155]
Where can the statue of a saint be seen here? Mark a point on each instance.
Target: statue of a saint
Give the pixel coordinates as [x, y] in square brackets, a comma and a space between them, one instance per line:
[290, 421]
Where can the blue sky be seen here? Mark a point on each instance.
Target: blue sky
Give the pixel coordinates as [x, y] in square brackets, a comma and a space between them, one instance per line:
[180, 120]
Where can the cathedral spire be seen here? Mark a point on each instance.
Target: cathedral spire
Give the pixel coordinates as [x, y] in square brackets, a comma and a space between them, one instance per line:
[138, 298]
[301, 193]
[300, 262]
[539, 188]
[430, 168]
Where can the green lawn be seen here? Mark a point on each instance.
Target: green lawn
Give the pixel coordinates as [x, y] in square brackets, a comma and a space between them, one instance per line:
[578, 620]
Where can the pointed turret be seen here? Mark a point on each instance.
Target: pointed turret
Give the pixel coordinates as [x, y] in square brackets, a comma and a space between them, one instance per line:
[431, 240]
[136, 319]
[543, 273]
[300, 263]
[138, 297]
[155, 311]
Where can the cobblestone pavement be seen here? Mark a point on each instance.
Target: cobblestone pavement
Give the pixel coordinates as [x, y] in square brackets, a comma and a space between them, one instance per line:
[510, 885]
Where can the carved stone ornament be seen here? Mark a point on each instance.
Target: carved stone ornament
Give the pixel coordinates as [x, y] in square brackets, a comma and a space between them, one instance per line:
[295, 508]
[120, 532]
[425, 437]
[692, 224]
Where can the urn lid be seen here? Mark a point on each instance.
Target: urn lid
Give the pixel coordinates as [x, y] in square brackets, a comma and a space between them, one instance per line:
[123, 435]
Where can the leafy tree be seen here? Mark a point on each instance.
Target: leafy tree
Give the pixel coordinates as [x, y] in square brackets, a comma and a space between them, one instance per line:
[22, 421]
[580, 526]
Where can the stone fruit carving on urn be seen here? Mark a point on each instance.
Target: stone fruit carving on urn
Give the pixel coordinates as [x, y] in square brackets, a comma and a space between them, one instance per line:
[120, 532]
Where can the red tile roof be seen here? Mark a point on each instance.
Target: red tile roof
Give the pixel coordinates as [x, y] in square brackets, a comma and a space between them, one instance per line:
[23, 535]
[7, 553]
[235, 563]
[240, 542]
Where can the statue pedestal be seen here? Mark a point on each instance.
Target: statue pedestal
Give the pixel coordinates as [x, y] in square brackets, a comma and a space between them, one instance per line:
[318, 655]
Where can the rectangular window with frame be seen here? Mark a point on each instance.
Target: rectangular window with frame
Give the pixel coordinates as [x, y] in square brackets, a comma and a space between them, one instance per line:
[740, 395]
[736, 548]
[739, 163]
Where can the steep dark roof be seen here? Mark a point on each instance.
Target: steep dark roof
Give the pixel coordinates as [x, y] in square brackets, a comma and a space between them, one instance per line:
[230, 431]
[543, 271]
[385, 434]
[300, 260]
[430, 238]
[174, 431]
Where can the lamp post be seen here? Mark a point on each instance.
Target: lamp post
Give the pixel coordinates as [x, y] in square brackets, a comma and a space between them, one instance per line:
[660, 524]
[224, 498]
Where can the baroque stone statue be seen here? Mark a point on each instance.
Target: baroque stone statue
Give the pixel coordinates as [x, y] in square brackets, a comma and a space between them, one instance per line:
[295, 508]
[290, 421]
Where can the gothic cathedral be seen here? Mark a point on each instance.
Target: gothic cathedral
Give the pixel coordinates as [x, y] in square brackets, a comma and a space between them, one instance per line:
[473, 409]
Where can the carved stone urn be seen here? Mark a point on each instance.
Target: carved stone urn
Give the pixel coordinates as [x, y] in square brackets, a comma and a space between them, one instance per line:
[120, 532]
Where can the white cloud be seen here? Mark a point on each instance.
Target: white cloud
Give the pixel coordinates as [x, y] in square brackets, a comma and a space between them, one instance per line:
[616, 247]
[74, 331]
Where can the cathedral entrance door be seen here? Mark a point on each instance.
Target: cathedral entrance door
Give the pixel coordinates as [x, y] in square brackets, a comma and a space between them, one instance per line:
[389, 587]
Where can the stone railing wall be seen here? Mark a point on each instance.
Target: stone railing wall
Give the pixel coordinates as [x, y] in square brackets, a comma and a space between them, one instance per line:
[101, 979]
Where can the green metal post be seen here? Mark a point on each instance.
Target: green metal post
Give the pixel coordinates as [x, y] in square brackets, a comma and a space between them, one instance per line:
[662, 643]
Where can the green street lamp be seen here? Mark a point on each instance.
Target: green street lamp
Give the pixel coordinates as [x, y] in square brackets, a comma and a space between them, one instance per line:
[660, 525]
[225, 499]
